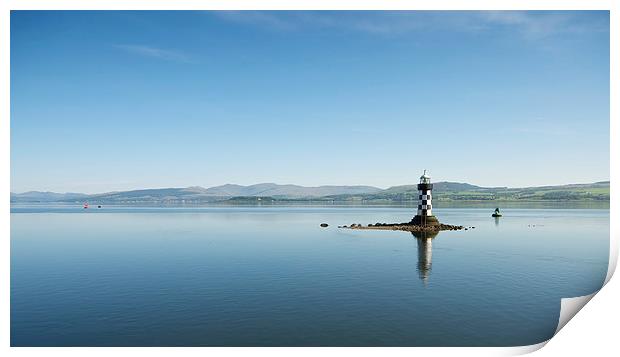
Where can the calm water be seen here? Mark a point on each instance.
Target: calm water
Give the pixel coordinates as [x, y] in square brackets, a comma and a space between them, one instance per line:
[242, 276]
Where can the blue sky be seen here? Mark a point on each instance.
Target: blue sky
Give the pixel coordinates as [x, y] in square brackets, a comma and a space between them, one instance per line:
[114, 100]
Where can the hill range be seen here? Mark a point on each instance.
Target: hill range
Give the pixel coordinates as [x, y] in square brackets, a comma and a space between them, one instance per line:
[271, 192]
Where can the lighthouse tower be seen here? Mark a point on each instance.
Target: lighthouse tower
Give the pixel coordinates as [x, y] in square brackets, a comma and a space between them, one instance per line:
[424, 216]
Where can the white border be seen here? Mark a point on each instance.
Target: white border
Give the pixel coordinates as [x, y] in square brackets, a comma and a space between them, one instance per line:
[596, 329]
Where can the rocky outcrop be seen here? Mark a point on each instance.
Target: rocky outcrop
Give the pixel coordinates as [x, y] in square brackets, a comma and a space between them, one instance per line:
[408, 227]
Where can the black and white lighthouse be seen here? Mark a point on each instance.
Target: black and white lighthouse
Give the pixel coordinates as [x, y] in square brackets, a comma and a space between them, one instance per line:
[424, 216]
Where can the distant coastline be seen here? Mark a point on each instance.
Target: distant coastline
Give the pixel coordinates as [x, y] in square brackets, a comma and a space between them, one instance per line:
[444, 194]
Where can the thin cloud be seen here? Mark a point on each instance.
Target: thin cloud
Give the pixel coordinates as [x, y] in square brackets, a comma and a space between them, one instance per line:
[268, 19]
[364, 21]
[531, 24]
[154, 52]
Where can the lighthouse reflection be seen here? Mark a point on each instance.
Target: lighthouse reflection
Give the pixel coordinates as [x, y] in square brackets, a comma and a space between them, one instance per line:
[425, 254]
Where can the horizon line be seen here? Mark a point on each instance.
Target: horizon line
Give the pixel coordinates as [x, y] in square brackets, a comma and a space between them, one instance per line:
[286, 184]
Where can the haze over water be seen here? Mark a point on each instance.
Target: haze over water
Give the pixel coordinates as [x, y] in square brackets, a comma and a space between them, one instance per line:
[270, 276]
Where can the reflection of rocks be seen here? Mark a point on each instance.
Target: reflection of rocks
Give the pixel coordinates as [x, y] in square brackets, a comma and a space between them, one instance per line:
[424, 235]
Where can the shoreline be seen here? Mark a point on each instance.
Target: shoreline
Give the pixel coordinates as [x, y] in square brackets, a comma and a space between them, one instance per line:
[438, 204]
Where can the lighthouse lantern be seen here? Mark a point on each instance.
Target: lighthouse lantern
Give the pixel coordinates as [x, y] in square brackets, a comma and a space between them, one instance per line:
[425, 178]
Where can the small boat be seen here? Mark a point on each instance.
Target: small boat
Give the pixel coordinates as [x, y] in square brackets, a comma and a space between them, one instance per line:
[496, 213]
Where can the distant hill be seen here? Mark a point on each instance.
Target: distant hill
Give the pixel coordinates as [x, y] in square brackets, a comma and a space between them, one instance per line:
[453, 191]
[289, 191]
[437, 187]
[38, 196]
[196, 194]
[271, 192]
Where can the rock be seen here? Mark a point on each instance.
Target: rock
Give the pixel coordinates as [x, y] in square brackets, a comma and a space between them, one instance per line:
[324, 225]
[408, 227]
